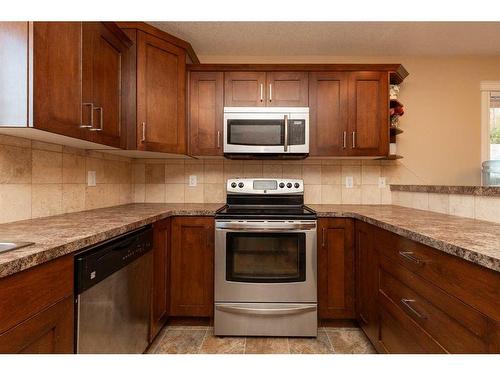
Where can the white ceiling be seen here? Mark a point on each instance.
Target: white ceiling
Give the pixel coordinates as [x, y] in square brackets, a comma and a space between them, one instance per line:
[338, 38]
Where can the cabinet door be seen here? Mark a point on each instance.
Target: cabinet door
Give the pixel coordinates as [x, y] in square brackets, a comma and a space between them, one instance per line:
[57, 72]
[192, 277]
[287, 89]
[244, 89]
[161, 90]
[101, 82]
[328, 93]
[366, 282]
[161, 240]
[48, 332]
[335, 269]
[368, 114]
[206, 107]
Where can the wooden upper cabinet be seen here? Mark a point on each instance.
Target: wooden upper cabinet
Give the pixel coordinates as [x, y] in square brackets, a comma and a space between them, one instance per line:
[161, 81]
[245, 89]
[335, 269]
[368, 131]
[287, 89]
[101, 84]
[206, 106]
[328, 101]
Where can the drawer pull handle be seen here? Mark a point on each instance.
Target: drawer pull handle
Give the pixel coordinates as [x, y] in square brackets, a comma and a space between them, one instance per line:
[408, 255]
[407, 303]
[323, 237]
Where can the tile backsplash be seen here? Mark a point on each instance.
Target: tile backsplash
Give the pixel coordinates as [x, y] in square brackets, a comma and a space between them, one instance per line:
[324, 179]
[42, 179]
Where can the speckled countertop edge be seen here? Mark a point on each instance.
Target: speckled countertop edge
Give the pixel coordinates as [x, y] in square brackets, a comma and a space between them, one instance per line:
[486, 191]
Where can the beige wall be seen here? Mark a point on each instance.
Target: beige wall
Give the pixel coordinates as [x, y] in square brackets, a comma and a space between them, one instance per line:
[42, 179]
[442, 123]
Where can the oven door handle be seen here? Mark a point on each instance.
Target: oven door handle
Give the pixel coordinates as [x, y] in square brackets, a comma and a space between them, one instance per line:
[265, 227]
[266, 311]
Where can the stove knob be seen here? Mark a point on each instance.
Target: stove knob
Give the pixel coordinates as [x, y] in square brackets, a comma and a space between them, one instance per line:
[282, 185]
[289, 185]
[241, 184]
[296, 185]
[233, 185]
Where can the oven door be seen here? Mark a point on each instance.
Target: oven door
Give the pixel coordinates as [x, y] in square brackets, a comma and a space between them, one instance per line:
[265, 261]
[255, 130]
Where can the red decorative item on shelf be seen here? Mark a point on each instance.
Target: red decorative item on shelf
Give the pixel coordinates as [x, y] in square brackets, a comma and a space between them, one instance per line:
[396, 108]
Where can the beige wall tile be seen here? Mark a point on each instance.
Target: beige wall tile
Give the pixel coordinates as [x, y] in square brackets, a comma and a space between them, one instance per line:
[112, 192]
[420, 201]
[155, 193]
[350, 162]
[461, 205]
[195, 168]
[174, 173]
[213, 172]
[174, 193]
[351, 195]
[46, 146]
[139, 173]
[15, 165]
[252, 170]
[46, 200]
[331, 175]
[487, 208]
[139, 193]
[73, 169]
[98, 166]
[95, 196]
[233, 169]
[73, 197]
[72, 150]
[311, 174]
[370, 194]
[47, 167]
[331, 194]
[351, 170]
[193, 194]
[312, 194]
[214, 193]
[125, 195]
[155, 174]
[405, 199]
[272, 170]
[14, 141]
[15, 202]
[439, 203]
[292, 170]
[385, 195]
[370, 174]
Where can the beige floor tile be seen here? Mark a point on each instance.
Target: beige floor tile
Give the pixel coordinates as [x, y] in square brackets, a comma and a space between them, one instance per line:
[186, 341]
[222, 345]
[349, 341]
[267, 345]
[318, 345]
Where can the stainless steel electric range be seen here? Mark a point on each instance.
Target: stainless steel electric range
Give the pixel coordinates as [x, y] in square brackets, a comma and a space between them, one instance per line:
[265, 260]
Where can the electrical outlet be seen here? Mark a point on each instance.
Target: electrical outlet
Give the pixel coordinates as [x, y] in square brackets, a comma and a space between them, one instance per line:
[349, 182]
[193, 180]
[91, 178]
[381, 182]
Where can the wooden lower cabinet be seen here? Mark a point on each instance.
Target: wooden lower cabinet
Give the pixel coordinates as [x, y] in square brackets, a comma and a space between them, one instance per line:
[191, 267]
[335, 269]
[161, 275]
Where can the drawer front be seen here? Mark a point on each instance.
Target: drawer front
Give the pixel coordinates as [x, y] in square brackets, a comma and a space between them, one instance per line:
[475, 285]
[398, 334]
[457, 327]
[26, 293]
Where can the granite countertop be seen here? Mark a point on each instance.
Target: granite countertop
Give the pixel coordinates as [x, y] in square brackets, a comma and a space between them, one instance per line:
[474, 240]
[487, 191]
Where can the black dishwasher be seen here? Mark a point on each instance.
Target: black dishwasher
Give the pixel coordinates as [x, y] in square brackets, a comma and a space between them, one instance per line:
[113, 287]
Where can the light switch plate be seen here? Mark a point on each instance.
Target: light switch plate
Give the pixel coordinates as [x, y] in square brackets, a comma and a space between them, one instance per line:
[193, 180]
[349, 182]
[91, 178]
[381, 182]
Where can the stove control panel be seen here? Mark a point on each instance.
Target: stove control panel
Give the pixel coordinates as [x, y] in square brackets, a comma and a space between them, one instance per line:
[265, 186]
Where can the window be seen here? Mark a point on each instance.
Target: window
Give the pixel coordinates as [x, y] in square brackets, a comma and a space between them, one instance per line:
[494, 126]
[490, 120]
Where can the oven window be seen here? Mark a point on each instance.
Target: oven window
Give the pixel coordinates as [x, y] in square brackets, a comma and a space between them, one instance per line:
[255, 132]
[265, 257]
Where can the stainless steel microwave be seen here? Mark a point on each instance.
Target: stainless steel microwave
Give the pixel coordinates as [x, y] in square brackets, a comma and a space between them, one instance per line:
[266, 131]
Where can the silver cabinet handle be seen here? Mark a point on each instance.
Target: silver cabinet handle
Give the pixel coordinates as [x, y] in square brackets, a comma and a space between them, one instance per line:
[407, 303]
[261, 92]
[266, 311]
[286, 133]
[101, 118]
[91, 125]
[408, 255]
[270, 92]
[323, 237]
[353, 139]
[143, 139]
[344, 144]
[218, 138]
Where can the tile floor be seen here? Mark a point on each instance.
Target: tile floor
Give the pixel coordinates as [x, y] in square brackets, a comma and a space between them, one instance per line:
[201, 340]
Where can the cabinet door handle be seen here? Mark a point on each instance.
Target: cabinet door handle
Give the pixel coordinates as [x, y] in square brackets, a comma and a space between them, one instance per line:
[323, 237]
[101, 118]
[286, 133]
[353, 139]
[270, 92]
[218, 138]
[344, 144]
[408, 255]
[91, 125]
[261, 92]
[143, 139]
[406, 302]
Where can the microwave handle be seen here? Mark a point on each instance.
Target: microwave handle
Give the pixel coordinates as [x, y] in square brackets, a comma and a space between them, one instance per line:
[286, 133]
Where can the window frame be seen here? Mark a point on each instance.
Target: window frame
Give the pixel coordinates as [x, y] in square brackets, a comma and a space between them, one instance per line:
[486, 87]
